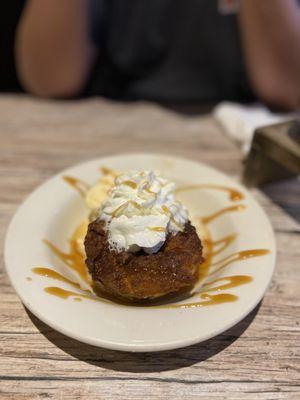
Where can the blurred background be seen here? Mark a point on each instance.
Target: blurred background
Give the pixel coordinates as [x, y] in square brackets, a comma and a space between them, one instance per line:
[163, 50]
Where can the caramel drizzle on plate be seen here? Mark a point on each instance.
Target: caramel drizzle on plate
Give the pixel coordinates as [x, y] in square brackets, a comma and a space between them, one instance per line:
[239, 256]
[82, 187]
[107, 171]
[209, 218]
[228, 283]
[224, 242]
[65, 294]
[75, 260]
[213, 248]
[51, 273]
[234, 194]
[77, 184]
[209, 300]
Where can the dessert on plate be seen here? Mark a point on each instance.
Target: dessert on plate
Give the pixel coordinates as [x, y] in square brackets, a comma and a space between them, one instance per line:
[140, 243]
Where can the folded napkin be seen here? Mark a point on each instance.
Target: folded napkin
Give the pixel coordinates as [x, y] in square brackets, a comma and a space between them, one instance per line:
[240, 121]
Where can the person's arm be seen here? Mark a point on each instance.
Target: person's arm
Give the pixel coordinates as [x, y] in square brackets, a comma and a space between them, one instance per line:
[270, 31]
[54, 52]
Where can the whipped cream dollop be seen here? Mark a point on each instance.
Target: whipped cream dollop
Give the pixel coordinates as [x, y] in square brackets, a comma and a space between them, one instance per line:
[140, 211]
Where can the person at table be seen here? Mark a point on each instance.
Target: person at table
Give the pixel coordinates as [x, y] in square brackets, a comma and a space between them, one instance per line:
[162, 50]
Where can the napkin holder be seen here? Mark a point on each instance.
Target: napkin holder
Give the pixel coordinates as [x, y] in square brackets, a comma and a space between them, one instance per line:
[274, 154]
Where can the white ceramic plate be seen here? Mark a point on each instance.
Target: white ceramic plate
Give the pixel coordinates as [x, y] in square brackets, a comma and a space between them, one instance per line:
[53, 211]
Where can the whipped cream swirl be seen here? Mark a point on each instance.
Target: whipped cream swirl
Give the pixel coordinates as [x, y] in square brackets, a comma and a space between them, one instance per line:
[140, 211]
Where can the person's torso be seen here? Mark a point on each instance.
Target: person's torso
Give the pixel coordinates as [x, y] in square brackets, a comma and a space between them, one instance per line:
[168, 50]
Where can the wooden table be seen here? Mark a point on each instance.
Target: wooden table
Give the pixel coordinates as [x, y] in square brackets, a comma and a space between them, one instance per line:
[257, 359]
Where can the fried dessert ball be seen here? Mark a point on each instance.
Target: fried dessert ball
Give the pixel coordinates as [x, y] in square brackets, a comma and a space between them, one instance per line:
[141, 276]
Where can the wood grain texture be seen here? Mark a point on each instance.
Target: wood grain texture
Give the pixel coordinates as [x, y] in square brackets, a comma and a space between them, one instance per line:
[257, 359]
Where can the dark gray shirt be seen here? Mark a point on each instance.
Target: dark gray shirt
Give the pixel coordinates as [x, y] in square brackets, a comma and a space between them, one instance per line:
[167, 50]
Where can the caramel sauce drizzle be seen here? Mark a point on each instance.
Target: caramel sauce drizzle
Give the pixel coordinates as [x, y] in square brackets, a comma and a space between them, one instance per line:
[77, 184]
[157, 228]
[206, 220]
[123, 207]
[241, 255]
[107, 171]
[131, 184]
[150, 191]
[232, 281]
[119, 209]
[205, 266]
[210, 300]
[234, 194]
[166, 209]
[224, 242]
[65, 294]
[147, 188]
[82, 187]
[168, 212]
[75, 259]
[51, 273]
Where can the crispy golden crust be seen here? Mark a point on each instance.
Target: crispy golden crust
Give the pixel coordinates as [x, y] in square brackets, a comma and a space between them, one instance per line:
[141, 276]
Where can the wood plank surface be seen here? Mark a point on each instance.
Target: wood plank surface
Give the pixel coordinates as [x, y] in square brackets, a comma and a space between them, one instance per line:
[257, 359]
